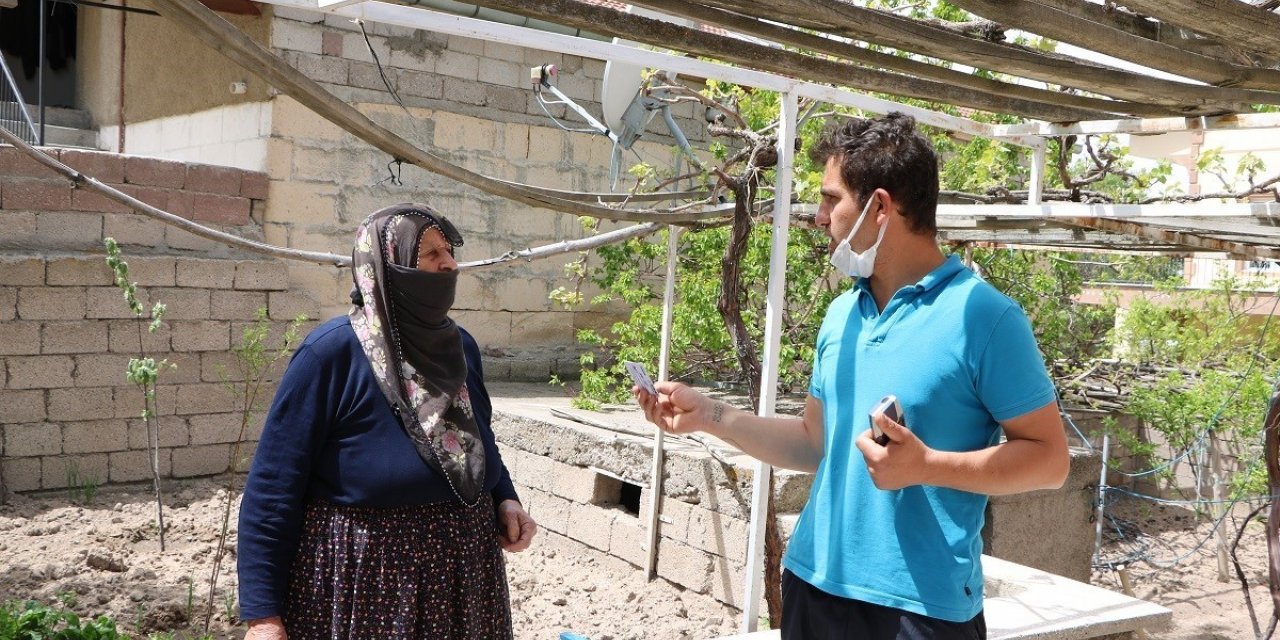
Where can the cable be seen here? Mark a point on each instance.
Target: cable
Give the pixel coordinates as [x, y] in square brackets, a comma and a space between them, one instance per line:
[543, 102]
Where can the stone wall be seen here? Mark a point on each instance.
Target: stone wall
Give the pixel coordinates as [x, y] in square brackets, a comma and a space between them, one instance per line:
[66, 334]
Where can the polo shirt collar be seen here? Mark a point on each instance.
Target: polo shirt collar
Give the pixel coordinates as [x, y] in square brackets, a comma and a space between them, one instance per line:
[939, 276]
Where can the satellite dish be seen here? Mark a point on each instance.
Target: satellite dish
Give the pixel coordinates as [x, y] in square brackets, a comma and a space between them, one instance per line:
[619, 88]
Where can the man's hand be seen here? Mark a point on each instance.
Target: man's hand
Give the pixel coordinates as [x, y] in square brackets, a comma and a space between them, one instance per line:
[515, 527]
[680, 409]
[266, 629]
[902, 462]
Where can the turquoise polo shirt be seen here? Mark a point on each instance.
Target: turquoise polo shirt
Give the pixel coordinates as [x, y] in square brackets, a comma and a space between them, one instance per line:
[961, 357]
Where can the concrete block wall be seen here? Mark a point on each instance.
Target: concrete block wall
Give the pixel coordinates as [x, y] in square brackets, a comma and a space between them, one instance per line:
[468, 101]
[66, 335]
[567, 476]
[230, 136]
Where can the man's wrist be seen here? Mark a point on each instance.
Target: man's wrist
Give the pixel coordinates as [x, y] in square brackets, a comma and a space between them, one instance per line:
[718, 415]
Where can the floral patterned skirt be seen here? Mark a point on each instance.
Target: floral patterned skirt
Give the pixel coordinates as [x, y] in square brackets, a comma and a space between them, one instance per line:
[422, 572]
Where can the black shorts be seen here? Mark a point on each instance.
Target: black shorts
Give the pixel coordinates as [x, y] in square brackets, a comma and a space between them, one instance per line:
[809, 613]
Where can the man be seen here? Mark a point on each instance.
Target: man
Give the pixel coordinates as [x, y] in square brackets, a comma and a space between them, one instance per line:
[889, 543]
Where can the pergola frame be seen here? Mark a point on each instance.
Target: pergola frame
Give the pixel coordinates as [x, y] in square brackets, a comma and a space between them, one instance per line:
[1166, 227]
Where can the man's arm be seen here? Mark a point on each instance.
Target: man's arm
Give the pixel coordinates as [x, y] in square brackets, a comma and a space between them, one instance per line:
[782, 441]
[1033, 457]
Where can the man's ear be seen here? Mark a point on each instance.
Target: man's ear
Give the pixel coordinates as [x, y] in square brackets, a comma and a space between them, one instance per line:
[885, 201]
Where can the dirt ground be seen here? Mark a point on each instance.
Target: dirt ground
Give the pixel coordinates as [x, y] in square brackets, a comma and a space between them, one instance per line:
[103, 558]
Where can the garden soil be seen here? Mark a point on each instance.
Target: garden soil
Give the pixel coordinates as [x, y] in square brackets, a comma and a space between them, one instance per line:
[103, 558]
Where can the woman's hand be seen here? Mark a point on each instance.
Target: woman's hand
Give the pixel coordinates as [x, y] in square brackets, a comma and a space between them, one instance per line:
[515, 527]
[266, 629]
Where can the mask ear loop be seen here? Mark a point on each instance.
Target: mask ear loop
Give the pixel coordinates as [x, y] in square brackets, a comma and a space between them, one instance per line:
[863, 216]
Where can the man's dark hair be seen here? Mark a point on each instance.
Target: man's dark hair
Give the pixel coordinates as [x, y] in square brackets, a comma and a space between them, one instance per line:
[886, 153]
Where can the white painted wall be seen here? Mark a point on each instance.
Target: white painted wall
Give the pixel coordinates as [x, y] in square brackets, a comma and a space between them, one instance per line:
[232, 136]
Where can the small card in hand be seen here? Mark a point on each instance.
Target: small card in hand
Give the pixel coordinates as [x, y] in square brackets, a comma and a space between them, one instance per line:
[640, 376]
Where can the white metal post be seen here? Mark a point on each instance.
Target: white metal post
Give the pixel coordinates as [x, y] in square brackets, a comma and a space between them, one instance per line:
[664, 361]
[772, 348]
[1036, 189]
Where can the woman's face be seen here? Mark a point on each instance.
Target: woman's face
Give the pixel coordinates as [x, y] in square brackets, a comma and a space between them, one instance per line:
[434, 252]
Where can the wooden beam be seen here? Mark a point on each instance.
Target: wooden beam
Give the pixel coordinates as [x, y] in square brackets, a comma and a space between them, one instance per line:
[849, 51]
[1197, 241]
[226, 39]
[846, 18]
[607, 21]
[1042, 18]
[1239, 23]
[1134, 24]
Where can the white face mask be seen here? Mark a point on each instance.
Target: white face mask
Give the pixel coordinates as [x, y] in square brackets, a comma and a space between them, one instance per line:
[852, 263]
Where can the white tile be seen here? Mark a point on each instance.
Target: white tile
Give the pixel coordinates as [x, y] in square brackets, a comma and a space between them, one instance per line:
[250, 155]
[206, 128]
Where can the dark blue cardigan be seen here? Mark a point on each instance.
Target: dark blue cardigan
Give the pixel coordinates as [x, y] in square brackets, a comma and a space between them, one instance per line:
[331, 435]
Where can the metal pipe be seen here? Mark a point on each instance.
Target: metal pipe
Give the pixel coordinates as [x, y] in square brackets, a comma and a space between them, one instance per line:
[760, 494]
[40, 72]
[664, 373]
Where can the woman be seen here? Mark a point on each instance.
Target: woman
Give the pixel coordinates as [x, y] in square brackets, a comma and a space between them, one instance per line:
[377, 503]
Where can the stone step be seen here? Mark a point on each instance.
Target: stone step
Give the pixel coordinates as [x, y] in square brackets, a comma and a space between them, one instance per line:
[58, 136]
[60, 116]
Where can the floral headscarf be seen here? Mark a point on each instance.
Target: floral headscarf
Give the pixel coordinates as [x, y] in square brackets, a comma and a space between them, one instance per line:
[415, 349]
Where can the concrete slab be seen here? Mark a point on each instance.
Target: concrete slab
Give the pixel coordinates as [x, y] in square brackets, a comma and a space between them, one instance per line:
[1027, 604]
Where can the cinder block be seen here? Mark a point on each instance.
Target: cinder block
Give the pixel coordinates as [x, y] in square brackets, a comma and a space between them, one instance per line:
[44, 303]
[125, 336]
[173, 432]
[102, 370]
[591, 525]
[331, 43]
[719, 534]
[80, 403]
[204, 398]
[538, 472]
[15, 162]
[78, 230]
[92, 201]
[132, 230]
[40, 372]
[152, 271]
[423, 85]
[56, 471]
[108, 302]
[209, 274]
[176, 238]
[727, 580]
[291, 120]
[541, 328]
[219, 366]
[286, 305]
[36, 195]
[502, 73]
[20, 271]
[128, 402]
[505, 52]
[551, 512]
[78, 271]
[515, 141]
[254, 185]
[255, 275]
[464, 91]
[35, 439]
[366, 76]
[215, 428]
[22, 406]
[628, 538]
[207, 178]
[19, 338]
[583, 485]
[73, 337]
[546, 145]
[221, 209]
[96, 436]
[106, 167]
[201, 461]
[684, 565]
[323, 68]
[208, 335]
[8, 303]
[182, 303]
[236, 305]
[132, 466]
[155, 172]
[297, 36]
[506, 99]
[21, 474]
[454, 131]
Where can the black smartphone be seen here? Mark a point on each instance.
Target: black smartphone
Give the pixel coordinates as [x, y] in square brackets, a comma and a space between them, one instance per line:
[892, 410]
